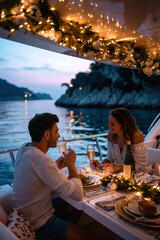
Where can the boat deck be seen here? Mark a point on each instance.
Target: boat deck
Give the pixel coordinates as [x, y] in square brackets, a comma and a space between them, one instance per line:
[98, 230]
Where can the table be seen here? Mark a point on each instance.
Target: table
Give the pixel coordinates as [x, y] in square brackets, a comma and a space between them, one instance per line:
[112, 220]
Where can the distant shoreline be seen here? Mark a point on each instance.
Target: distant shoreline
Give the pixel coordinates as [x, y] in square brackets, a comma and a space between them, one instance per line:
[15, 100]
[10, 92]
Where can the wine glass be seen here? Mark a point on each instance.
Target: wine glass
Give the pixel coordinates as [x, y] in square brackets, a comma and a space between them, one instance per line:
[90, 154]
[61, 143]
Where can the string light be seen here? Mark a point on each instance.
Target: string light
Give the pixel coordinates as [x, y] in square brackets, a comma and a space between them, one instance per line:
[76, 35]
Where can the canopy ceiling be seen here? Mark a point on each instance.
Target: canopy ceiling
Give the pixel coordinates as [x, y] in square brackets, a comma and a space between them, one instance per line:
[123, 25]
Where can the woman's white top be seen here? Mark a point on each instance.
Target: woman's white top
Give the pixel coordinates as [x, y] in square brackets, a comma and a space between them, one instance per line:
[115, 155]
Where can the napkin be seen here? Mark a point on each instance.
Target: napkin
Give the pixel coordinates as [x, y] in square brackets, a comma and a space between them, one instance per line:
[109, 204]
[147, 177]
[93, 193]
[143, 219]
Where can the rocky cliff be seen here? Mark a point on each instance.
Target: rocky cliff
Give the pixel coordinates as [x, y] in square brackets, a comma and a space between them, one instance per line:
[109, 87]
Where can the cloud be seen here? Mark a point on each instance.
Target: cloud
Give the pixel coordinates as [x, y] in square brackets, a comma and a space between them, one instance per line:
[2, 59]
[45, 67]
[10, 69]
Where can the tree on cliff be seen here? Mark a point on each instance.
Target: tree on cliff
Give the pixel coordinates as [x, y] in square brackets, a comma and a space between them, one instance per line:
[102, 75]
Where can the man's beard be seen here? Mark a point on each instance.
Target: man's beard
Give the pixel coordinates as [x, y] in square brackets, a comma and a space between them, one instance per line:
[51, 144]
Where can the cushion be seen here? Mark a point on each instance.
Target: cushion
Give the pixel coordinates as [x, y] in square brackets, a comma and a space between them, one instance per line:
[6, 234]
[5, 197]
[20, 225]
[153, 155]
[156, 169]
[3, 216]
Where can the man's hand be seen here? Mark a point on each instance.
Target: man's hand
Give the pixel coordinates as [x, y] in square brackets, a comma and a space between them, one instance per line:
[70, 157]
[61, 162]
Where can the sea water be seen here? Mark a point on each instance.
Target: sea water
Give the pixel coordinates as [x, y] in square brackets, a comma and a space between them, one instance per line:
[73, 123]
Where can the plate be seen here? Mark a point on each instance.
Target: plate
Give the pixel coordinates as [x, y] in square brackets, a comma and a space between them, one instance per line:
[119, 209]
[94, 180]
[89, 181]
[132, 206]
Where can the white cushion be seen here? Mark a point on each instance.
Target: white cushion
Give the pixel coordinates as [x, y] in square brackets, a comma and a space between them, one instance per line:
[5, 197]
[153, 155]
[6, 234]
[3, 216]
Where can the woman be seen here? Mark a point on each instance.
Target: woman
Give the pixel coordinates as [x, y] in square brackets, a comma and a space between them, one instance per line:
[123, 128]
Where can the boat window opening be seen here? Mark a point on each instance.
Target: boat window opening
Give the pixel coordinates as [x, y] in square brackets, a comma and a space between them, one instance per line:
[158, 141]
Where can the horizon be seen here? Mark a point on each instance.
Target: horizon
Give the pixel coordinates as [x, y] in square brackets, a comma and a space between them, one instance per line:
[34, 68]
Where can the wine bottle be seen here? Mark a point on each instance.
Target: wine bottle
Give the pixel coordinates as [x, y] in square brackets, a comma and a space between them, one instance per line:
[129, 163]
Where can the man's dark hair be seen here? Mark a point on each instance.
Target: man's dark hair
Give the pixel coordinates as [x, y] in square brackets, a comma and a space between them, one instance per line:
[41, 123]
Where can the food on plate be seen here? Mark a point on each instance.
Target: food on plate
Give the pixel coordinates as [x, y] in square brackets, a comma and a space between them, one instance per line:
[84, 179]
[147, 207]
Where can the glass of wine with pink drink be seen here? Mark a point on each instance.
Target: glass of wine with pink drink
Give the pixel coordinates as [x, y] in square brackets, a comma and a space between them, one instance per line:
[90, 154]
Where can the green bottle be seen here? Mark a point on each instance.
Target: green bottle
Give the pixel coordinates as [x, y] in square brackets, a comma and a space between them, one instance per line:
[129, 163]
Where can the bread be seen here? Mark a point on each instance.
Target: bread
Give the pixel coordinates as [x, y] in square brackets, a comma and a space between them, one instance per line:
[147, 207]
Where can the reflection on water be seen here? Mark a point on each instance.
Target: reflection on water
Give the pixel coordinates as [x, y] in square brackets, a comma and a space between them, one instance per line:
[74, 123]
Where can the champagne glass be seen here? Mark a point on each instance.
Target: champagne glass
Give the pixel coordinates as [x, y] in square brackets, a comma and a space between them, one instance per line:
[90, 154]
[61, 143]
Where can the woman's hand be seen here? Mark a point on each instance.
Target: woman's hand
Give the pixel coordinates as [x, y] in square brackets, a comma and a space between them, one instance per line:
[95, 163]
[113, 168]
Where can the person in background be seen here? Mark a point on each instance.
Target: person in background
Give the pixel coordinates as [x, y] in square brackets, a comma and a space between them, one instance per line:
[123, 128]
[37, 176]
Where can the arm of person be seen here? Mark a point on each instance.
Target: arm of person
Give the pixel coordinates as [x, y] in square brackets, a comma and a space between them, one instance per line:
[139, 152]
[113, 168]
[137, 137]
[108, 159]
[49, 174]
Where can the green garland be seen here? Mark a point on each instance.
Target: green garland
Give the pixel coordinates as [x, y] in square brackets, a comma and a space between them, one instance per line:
[147, 191]
[77, 36]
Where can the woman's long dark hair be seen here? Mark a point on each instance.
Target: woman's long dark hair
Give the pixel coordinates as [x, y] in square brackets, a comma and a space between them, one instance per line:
[129, 126]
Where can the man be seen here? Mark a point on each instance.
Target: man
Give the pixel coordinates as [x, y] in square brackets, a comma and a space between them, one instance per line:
[37, 176]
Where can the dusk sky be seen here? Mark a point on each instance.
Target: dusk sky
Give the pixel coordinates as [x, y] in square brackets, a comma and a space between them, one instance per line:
[37, 69]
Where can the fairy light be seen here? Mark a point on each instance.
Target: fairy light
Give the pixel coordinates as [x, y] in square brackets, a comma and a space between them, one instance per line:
[2, 14]
[101, 26]
[117, 24]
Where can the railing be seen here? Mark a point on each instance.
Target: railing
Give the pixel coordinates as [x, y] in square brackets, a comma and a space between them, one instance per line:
[10, 151]
[154, 122]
